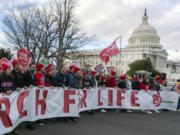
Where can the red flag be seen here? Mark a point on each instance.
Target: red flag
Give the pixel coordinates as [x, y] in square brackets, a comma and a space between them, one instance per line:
[109, 51]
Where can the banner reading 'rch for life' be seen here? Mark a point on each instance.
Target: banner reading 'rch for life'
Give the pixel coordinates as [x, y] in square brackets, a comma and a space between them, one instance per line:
[33, 104]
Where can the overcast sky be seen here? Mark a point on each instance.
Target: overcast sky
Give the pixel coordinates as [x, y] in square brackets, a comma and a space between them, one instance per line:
[107, 19]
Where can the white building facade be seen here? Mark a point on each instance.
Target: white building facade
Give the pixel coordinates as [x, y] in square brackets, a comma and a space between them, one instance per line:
[144, 42]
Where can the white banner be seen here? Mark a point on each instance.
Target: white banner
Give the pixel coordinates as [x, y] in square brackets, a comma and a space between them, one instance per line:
[36, 103]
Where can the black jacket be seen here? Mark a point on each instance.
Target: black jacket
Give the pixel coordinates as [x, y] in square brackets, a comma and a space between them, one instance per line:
[18, 79]
[59, 80]
[29, 78]
[71, 80]
[87, 83]
[6, 84]
[122, 85]
[136, 85]
[49, 80]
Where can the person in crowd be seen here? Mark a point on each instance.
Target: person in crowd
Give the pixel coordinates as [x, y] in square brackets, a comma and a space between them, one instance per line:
[49, 80]
[145, 84]
[40, 77]
[50, 66]
[22, 70]
[177, 90]
[80, 79]
[59, 78]
[136, 83]
[157, 88]
[29, 76]
[94, 82]
[122, 82]
[129, 83]
[98, 77]
[87, 83]
[174, 85]
[162, 85]
[111, 82]
[71, 80]
[19, 82]
[30, 81]
[7, 85]
[102, 82]
[157, 83]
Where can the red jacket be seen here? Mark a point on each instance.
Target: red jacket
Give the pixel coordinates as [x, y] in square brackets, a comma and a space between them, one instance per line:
[40, 80]
[144, 86]
[111, 82]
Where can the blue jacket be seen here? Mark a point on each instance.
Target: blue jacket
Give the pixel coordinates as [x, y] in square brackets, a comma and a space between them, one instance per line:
[71, 80]
[59, 80]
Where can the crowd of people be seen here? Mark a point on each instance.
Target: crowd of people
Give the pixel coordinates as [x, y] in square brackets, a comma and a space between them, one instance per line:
[14, 78]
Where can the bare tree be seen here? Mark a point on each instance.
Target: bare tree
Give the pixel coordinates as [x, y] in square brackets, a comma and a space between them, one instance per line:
[52, 32]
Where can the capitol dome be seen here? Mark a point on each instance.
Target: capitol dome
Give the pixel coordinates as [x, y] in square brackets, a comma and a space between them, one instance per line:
[144, 36]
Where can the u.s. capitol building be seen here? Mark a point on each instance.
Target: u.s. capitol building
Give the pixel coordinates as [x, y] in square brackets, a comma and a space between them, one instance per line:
[144, 42]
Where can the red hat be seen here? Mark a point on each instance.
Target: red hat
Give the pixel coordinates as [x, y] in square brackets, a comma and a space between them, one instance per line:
[102, 77]
[85, 73]
[136, 78]
[122, 77]
[161, 81]
[48, 70]
[15, 61]
[76, 69]
[113, 72]
[39, 66]
[71, 67]
[157, 78]
[93, 73]
[67, 70]
[5, 67]
[50, 65]
[21, 70]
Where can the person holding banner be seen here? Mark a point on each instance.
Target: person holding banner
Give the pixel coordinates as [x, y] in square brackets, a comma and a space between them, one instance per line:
[30, 81]
[87, 83]
[7, 84]
[19, 82]
[40, 77]
[29, 76]
[59, 78]
[111, 82]
[122, 82]
[93, 79]
[49, 79]
[71, 78]
[136, 83]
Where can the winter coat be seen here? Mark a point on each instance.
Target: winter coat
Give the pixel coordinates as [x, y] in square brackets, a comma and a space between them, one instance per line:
[122, 85]
[111, 82]
[49, 81]
[40, 79]
[18, 79]
[7, 84]
[87, 83]
[59, 80]
[29, 78]
[144, 86]
[71, 80]
[136, 85]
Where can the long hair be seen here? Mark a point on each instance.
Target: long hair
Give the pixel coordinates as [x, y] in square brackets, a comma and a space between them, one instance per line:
[3, 76]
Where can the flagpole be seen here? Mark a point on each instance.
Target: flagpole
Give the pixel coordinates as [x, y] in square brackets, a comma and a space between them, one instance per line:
[119, 61]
